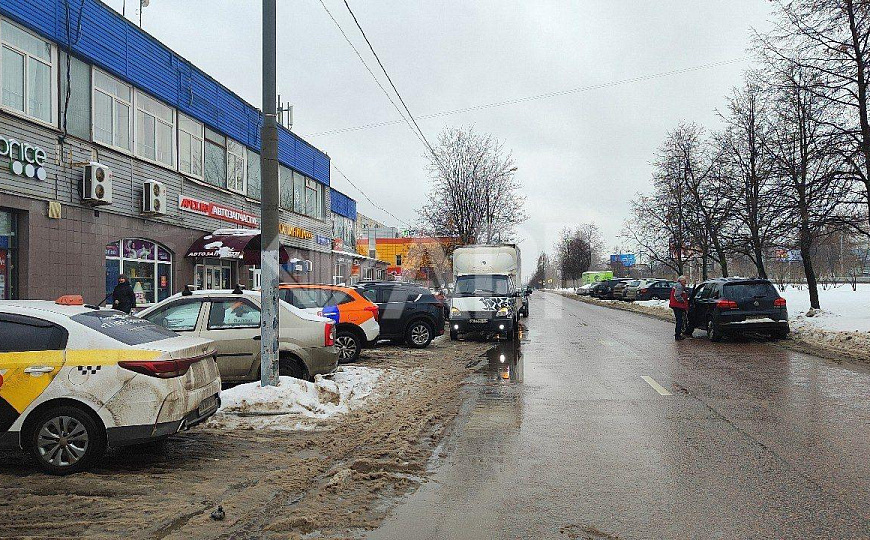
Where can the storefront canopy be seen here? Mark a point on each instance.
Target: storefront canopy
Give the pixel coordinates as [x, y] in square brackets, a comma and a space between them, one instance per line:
[238, 244]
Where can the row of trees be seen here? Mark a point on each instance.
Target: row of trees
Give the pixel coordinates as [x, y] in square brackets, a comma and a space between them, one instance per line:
[577, 250]
[788, 170]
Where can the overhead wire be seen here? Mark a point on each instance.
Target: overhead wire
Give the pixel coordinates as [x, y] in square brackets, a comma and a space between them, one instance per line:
[536, 97]
[369, 199]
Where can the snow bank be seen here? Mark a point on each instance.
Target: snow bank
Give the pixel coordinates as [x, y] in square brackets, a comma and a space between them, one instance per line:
[843, 310]
[294, 403]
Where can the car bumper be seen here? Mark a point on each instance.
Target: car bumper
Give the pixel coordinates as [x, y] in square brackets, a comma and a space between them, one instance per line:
[321, 360]
[126, 435]
[754, 326]
[371, 329]
[489, 326]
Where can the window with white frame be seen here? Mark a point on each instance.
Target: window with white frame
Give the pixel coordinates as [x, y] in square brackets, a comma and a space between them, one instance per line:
[215, 172]
[112, 111]
[155, 130]
[27, 73]
[311, 198]
[190, 142]
[236, 161]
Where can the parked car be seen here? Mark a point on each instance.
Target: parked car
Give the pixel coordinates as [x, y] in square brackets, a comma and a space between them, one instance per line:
[75, 379]
[728, 306]
[356, 317]
[407, 313]
[232, 320]
[630, 293]
[595, 289]
[620, 289]
[658, 289]
[584, 290]
[605, 290]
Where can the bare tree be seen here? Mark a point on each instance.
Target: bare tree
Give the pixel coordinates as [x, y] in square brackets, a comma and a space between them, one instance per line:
[806, 159]
[577, 249]
[748, 182]
[475, 195]
[831, 40]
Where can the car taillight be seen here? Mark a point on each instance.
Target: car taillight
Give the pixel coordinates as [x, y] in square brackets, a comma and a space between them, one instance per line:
[328, 335]
[726, 304]
[779, 302]
[643, 290]
[373, 309]
[162, 369]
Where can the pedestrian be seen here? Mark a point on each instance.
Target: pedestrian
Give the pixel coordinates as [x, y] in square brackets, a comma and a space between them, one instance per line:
[680, 304]
[123, 297]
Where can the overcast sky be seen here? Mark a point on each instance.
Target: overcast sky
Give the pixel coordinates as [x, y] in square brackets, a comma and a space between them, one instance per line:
[581, 155]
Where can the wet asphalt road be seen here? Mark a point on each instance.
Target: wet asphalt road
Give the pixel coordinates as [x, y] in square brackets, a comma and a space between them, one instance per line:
[565, 439]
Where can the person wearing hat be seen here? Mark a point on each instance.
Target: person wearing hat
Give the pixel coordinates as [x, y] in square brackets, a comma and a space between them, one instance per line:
[123, 297]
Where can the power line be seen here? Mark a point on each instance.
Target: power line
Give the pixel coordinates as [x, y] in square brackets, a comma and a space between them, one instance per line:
[536, 97]
[372, 73]
[373, 203]
[396, 90]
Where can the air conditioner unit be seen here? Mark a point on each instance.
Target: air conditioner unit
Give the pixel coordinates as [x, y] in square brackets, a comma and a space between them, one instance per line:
[97, 184]
[153, 197]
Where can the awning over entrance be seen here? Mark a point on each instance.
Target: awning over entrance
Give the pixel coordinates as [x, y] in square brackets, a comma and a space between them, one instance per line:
[239, 244]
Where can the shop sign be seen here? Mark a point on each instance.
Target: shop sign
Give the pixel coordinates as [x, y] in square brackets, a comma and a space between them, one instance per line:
[323, 240]
[217, 211]
[295, 232]
[24, 159]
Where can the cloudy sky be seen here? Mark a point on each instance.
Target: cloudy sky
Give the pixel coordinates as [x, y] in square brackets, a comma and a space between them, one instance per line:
[581, 154]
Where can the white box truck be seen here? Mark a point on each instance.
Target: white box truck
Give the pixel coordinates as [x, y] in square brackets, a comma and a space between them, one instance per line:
[485, 296]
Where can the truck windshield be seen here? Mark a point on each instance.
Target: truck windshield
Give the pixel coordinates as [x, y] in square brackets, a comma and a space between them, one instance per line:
[482, 286]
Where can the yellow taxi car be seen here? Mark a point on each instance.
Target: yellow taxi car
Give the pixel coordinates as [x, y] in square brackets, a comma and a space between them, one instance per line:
[75, 379]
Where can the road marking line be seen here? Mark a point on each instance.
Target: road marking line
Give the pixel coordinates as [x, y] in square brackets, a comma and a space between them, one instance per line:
[656, 386]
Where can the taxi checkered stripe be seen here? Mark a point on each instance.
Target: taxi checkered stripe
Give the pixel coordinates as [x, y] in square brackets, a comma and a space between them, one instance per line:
[89, 370]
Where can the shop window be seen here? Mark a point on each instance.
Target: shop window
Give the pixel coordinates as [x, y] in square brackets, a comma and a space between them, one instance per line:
[8, 256]
[398, 260]
[28, 73]
[311, 198]
[286, 178]
[215, 159]
[112, 117]
[190, 141]
[254, 176]
[155, 130]
[213, 274]
[236, 164]
[147, 265]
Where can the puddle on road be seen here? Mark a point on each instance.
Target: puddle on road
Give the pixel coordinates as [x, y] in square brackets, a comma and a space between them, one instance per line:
[505, 358]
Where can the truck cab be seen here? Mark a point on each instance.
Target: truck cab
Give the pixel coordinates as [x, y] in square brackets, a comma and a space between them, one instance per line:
[485, 298]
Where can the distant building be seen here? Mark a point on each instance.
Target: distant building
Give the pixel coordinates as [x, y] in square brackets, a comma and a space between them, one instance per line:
[420, 259]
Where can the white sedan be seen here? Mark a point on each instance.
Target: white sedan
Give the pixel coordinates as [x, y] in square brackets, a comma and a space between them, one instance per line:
[74, 379]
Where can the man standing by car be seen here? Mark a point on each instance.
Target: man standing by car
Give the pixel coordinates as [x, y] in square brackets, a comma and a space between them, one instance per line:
[680, 304]
[123, 297]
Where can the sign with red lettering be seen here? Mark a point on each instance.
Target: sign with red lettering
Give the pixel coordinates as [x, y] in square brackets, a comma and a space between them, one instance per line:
[217, 211]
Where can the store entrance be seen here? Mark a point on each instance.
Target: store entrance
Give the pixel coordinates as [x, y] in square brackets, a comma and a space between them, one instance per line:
[212, 274]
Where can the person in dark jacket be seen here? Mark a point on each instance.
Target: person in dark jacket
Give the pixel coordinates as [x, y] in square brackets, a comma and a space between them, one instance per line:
[680, 304]
[123, 297]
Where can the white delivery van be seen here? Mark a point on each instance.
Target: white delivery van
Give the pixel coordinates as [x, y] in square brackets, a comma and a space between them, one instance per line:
[485, 299]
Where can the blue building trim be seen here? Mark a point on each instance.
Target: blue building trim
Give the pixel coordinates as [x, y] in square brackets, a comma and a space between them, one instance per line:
[342, 204]
[102, 37]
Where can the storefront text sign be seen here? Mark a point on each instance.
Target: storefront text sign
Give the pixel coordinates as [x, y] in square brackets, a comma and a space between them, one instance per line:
[295, 232]
[24, 159]
[217, 211]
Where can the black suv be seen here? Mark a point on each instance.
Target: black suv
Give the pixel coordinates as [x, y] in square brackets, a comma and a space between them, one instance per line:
[407, 313]
[605, 288]
[656, 290]
[727, 306]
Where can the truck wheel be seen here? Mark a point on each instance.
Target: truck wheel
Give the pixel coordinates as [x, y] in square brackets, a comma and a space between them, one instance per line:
[66, 440]
[419, 334]
[454, 335]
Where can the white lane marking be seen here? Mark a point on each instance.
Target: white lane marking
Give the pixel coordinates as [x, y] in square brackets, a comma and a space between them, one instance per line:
[656, 386]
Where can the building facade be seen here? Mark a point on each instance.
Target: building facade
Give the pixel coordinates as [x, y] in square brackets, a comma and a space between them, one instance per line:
[349, 266]
[425, 260]
[119, 156]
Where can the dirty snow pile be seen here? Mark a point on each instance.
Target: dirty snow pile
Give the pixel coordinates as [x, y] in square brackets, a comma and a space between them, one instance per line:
[295, 403]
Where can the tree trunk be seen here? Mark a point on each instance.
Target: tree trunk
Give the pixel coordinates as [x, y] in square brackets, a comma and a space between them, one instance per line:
[861, 77]
[759, 260]
[806, 244]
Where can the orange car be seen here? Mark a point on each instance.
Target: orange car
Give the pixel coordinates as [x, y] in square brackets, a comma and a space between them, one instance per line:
[356, 318]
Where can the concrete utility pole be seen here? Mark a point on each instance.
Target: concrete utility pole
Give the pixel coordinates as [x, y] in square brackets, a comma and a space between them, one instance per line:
[269, 246]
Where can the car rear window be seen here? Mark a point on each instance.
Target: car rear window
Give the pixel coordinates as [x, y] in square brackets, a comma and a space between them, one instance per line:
[125, 328]
[748, 291]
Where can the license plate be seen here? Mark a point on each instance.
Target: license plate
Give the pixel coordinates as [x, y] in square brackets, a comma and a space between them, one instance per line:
[478, 321]
[206, 405]
[755, 317]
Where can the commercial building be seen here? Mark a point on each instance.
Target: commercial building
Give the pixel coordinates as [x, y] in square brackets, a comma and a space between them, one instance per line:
[349, 266]
[117, 155]
[421, 259]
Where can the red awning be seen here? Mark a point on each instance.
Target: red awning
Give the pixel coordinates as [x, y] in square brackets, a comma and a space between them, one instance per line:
[237, 244]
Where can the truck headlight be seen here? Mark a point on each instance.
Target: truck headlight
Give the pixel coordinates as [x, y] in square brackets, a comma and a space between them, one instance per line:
[455, 311]
[503, 312]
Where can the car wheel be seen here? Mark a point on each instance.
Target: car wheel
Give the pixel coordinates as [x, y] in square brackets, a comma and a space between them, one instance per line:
[348, 345]
[66, 440]
[289, 366]
[454, 335]
[419, 334]
[714, 333]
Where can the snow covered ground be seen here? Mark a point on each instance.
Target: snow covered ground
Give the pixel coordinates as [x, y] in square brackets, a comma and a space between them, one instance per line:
[294, 403]
[843, 310]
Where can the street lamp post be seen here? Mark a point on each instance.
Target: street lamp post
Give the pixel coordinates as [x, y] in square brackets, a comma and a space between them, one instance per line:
[269, 246]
